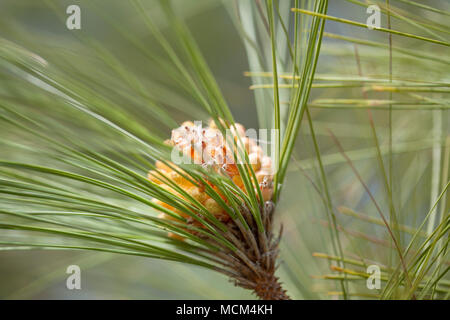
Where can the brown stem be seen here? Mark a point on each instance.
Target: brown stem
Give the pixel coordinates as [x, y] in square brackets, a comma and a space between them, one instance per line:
[269, 288]
[252, 265]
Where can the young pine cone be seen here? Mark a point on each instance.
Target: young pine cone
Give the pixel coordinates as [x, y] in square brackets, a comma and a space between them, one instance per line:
[208, 147]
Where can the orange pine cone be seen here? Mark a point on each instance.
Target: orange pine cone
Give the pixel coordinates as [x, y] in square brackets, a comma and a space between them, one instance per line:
[208, 147]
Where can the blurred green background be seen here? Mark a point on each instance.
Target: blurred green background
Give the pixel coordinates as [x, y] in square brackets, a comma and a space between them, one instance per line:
[42, 274]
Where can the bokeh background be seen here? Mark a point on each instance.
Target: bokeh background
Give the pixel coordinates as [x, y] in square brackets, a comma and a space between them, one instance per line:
[42, 274]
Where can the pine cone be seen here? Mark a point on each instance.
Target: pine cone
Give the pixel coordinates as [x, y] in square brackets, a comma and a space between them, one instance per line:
[208, 147]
